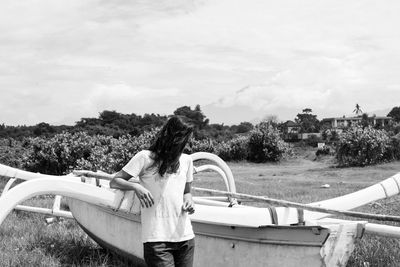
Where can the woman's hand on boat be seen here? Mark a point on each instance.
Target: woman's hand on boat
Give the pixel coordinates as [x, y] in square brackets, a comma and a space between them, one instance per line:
[144, 195]
[188, 203]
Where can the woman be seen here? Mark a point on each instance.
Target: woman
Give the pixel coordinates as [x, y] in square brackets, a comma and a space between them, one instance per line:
[161, 177]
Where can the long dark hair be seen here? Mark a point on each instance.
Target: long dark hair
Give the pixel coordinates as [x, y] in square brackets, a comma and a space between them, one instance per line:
[169, 144]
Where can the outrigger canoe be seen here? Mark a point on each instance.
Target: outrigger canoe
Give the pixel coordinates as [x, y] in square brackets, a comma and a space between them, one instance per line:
[227, 233]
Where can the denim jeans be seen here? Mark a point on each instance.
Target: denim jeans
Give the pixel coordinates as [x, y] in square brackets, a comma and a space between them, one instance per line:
[169, 254]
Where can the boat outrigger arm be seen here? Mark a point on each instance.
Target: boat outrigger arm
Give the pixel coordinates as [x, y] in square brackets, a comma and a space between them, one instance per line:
[95, 190]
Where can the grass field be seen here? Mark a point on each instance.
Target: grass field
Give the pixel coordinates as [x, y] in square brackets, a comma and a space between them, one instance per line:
[26, 240]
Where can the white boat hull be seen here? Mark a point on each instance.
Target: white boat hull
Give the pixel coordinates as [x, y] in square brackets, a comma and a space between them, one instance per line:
[222, 245]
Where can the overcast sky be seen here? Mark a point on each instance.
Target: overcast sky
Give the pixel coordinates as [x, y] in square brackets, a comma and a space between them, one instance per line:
[239, 59]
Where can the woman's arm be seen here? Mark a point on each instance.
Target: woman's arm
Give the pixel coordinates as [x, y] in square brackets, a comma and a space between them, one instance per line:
[120, 181]
[188, 203]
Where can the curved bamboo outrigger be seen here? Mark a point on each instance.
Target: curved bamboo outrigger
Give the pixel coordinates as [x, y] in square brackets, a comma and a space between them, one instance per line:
[284, 233]
[62, 186]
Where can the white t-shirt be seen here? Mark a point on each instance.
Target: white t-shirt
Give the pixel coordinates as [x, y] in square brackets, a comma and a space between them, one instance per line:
[165, 221]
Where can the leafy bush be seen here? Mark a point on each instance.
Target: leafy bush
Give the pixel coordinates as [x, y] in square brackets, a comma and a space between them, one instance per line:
[393, 151]
[65, 152]
[114, 153]
[362, 146]
[203, 145]
[330, 135]
[11, 151]
[234, 149]
[396, 128]
[313, 140]
[265, 144]
[57, 154]
[323, 151]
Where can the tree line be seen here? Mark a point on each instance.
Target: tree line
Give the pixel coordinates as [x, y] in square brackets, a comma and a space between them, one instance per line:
[116, 124]
[308, 122]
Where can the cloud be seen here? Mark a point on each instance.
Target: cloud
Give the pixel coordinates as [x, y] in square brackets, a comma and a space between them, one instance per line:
[123, 92]
[73, 59]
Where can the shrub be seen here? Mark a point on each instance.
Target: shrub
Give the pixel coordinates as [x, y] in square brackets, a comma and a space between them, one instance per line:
[313, 140]
[330, 135]
[11, 151]
[65, 152]
[396, 128]
[203, 145]
[114, 153]
[362, 146]
[323, 151]
[234, 149]
[57, 154]
[265, 144]
[393, 151]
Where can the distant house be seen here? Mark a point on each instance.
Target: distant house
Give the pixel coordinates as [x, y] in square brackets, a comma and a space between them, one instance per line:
[290, 130]
[344, 122]
[305, 136]
[291, 127]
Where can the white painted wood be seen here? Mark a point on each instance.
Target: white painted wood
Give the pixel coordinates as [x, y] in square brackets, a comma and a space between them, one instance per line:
[59, 213]
[382, 230]
[216, 169]
[48, 185]
[8, 185]
[220, 163]
[340, 244]
[57, 203]
[370, 228]
[361, 197]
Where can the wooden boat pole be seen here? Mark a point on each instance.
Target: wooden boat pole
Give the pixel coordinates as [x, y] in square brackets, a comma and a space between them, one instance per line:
[290, 204]
[271, 201]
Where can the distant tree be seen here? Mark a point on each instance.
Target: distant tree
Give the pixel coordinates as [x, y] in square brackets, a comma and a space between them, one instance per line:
[218, 132]
[153, 120]
[357, 109]
[266, 144]
[196, 116]
[395, 114]
[109, 117]
[244, 127]
[43, 129]
[87, 121]
[112, 123]
[307, 121]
